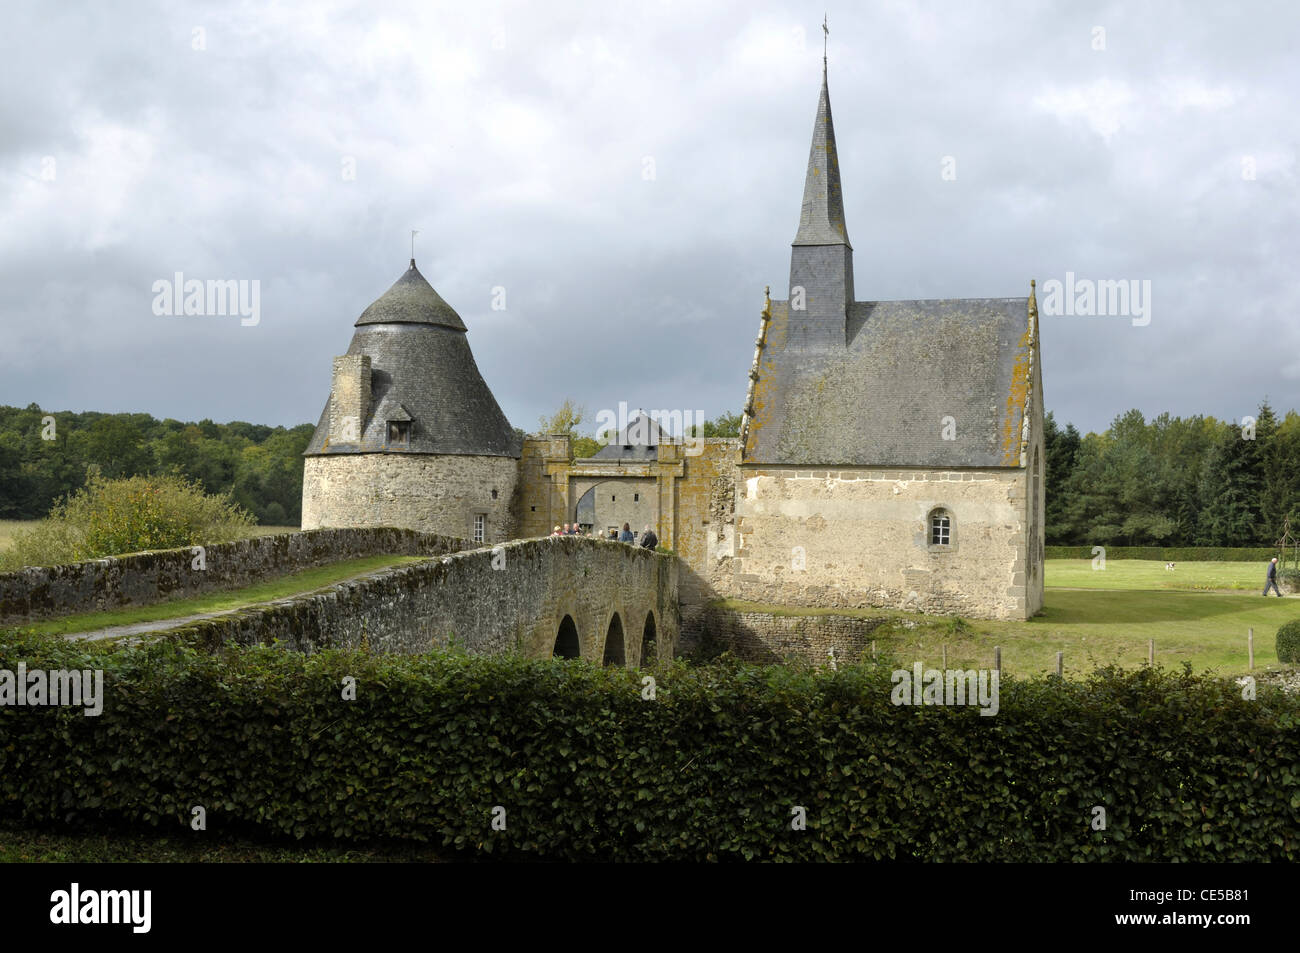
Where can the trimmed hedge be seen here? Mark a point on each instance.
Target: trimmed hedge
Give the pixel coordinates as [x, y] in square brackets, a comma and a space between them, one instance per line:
[1171, 554]
[1288, 642]
[587, 769]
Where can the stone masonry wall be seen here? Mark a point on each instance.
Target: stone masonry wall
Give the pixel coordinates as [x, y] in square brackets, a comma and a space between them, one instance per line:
[425, 492]
[856, 538]
[508, 598]
[764, 637]
[536, 507]
[706, 524]
[146, 578]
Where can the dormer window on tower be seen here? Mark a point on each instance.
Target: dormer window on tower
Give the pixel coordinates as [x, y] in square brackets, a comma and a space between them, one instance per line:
[399, 433]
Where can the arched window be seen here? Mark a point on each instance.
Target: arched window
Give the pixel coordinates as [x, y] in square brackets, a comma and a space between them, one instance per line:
[940, 528]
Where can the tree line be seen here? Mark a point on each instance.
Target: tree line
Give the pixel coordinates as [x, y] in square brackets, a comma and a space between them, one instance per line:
[44, 460]
[1174, 481]
[1170, 481]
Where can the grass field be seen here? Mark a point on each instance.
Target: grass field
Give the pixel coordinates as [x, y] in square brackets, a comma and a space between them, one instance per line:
[1147, 574]
[9, 527]
[1099, 617]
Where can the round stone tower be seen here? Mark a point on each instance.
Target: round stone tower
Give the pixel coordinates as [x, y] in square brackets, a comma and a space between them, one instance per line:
[411, 435]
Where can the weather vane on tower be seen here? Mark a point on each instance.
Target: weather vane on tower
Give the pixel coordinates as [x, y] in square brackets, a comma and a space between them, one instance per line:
[826, 36]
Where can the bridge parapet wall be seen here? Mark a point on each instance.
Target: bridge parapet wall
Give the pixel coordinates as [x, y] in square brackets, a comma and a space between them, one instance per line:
[512, 597]
[142, 579]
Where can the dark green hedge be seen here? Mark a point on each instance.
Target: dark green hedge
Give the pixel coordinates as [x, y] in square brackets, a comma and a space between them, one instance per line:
[585, 768]
[1168, 554]
[1288, 642]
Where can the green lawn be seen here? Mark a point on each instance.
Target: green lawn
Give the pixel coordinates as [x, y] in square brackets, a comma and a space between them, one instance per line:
[1148, 574]
[307, 580]
[1107, 616]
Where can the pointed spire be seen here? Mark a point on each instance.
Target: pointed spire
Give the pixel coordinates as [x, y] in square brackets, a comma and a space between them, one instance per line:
[821, 221]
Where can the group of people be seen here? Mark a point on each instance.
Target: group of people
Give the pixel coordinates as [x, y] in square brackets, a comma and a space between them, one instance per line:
[648, 538]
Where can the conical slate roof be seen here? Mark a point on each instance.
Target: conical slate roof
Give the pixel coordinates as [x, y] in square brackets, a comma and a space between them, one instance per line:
[821, 221]
[422, 371]
[411, 300]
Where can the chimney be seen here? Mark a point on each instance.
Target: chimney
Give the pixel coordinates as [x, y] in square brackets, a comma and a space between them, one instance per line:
[349, 398]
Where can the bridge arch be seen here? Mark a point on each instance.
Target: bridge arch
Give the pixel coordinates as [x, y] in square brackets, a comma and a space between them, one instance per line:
[649, 640]
[567, 643]
[615, 642]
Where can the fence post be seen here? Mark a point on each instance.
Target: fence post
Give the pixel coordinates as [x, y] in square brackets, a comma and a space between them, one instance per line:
[873, 648]
[997, 659]
[1250, 645]
[1060, 664]
[1151, 653]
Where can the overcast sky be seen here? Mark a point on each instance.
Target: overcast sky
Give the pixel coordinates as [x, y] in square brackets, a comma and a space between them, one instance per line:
[631, 175]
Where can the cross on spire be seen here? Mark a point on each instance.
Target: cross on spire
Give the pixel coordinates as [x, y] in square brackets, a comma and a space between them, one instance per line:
[826, 36]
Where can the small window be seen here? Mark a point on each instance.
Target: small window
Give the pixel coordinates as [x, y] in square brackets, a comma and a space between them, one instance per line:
[627, 446]
[534, 509]
[636, 497]
[399, 432]
[940, 528]
[494, 494]
[480, 527]
[611, 497]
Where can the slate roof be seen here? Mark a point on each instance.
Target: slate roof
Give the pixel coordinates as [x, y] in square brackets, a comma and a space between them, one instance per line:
[880, 399]
[631, 445]
[821, 219]
[411, 300]
[422, 369]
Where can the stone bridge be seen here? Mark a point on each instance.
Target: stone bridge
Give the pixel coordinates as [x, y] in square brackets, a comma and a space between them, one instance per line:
[607, 602]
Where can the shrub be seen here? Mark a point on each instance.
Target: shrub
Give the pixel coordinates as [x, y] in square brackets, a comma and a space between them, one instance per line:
[112, 517]
[587, 768]
[1288, 642]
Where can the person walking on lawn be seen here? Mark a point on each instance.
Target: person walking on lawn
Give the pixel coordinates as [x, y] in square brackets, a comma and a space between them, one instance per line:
[1272, 579]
